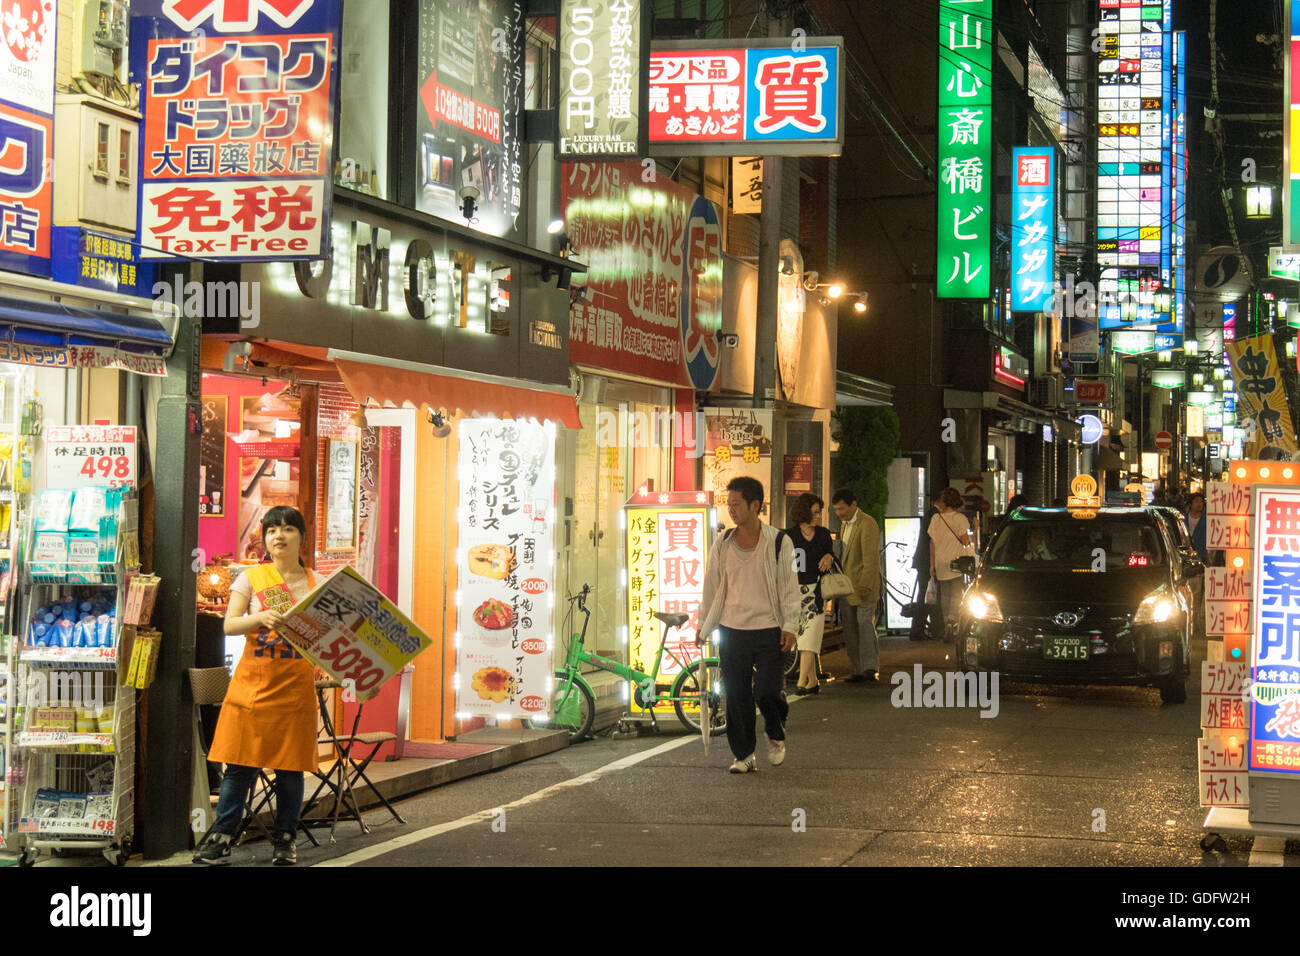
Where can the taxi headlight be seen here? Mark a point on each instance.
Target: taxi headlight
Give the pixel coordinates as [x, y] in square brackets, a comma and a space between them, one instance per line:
[983, 607]
[1156, 608]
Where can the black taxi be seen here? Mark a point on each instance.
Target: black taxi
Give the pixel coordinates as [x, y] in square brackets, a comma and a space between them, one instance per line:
[1103, 596]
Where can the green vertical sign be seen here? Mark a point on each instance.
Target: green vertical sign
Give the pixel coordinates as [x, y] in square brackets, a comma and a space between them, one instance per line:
[965, 138]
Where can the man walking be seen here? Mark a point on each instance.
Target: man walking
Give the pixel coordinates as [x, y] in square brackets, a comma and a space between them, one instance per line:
[751, 594]
[860, 556]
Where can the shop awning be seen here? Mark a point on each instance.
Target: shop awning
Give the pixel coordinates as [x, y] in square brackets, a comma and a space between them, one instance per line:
[56, 335]
[403, 383]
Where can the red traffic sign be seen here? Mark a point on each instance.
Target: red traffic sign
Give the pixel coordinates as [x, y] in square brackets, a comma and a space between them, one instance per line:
[1164, 441]
[1090, 393]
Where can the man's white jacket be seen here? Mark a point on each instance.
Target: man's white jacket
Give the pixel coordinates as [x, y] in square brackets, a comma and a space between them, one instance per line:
[779, 576]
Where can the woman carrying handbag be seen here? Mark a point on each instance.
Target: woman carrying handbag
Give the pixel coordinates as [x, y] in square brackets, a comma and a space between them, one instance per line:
[814, 556]
[951, 542]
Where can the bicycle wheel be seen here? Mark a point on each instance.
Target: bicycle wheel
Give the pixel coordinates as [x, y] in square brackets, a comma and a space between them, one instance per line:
[686, 694]
[578, 727]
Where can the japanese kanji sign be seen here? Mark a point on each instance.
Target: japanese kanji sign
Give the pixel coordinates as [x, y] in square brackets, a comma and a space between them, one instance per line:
[1263, 413]
[238, 102]
[348, 629]
[1033, 223]
[664, 552]
[711, 101]
[1228, 601]
[1222, 771]
[506, 567]
[604, 49]
[737, 443]
[1275, 651]
[965, 131]
[654, 275]
[27, 45]
[747, 185]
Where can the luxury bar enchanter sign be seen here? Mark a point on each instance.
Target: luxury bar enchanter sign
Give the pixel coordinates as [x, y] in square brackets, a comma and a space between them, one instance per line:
[603, 52]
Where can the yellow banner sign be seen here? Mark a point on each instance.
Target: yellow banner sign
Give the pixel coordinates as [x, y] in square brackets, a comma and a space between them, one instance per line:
[1262, 411]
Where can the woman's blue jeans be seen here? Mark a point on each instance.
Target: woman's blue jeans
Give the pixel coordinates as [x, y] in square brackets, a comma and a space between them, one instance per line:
[236, 784]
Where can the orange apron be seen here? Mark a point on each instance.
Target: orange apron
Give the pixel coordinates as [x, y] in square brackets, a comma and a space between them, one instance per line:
[269, 716]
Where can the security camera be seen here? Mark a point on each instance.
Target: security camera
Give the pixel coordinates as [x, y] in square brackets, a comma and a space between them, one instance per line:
[468, 202]
[729, 339]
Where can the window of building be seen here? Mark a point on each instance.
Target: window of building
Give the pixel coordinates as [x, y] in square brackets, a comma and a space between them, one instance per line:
[363, 98]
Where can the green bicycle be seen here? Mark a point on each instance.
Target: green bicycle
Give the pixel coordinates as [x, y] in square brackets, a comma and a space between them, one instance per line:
[574, 705]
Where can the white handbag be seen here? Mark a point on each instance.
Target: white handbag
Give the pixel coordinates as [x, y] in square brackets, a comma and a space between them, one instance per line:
[835, 583]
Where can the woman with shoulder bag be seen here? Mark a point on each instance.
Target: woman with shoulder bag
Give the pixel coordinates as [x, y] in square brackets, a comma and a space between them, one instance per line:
[814, 556]
[951, 539]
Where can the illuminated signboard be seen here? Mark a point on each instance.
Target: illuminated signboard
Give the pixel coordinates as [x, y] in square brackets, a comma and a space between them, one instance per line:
[665, 553]
[506, 565]
[1275, 652]
[770, 97]
[1134, 137]
[603, 49]
[1132, 341]
[1033, 218]
[1291, 129]
[965, 129]
[237, 139]
[1265, 415]
[27, 136]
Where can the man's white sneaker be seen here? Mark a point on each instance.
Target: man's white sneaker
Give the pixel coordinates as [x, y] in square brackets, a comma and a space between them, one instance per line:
[748, 765]
[776, 753]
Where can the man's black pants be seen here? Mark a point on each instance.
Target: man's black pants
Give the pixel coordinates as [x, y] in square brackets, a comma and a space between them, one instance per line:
[741, 654]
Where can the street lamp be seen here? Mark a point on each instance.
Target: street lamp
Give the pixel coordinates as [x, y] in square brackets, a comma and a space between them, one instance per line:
[1163, 298]
[1259, 202]
[860, 306]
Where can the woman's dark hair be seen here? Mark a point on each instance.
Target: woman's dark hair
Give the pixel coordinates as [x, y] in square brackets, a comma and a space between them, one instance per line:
[750, 489]
[1017, 501]
[801, 508]
[284, 515]
[951, 497]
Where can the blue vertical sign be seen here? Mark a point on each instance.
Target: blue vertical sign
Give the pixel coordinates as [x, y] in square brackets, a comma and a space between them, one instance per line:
[1033, 218]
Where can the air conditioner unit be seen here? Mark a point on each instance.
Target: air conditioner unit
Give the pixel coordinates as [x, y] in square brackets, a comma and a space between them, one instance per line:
[1047, 391]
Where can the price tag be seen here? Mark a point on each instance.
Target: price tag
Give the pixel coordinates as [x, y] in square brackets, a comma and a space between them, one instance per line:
[80, 456]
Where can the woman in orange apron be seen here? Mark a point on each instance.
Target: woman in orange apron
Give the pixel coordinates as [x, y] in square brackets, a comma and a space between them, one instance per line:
[268, 718]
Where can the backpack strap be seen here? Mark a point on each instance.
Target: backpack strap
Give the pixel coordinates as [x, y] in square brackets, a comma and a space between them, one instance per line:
[779, 535]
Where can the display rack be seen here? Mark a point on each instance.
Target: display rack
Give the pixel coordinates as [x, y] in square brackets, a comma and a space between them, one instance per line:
[74, 762]
[20, 422]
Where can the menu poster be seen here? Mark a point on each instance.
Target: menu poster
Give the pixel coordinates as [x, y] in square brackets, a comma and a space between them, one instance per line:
[341, 496]
[506, 563]
[212, 456]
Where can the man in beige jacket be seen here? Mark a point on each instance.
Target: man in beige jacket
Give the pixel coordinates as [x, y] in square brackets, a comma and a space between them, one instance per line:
[860, 556]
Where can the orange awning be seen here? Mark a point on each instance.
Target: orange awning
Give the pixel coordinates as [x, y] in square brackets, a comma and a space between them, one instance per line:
[383, 385]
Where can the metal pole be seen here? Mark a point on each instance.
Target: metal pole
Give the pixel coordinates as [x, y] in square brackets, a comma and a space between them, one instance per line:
[169, 747]
[769, 266]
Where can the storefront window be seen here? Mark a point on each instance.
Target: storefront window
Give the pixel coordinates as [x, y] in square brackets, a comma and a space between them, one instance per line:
[469, 117]
[363, 98]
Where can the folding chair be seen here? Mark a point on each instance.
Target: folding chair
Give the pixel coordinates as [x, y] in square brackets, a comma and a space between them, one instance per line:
[208, 686]
[345, 772]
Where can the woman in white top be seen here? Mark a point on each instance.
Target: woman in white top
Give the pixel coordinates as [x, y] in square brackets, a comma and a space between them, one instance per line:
[950, 538]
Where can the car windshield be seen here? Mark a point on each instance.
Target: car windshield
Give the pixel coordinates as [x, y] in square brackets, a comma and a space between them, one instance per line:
[1062, 542]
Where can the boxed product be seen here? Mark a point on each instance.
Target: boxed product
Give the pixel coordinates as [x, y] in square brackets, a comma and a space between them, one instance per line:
[54, 718]
[72, 806]
[101, 776]
[144, 658]
[141, 595]
[46, 805]
[99, 806]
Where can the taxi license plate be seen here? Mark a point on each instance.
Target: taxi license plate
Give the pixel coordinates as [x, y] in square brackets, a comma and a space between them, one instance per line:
[1065, 648]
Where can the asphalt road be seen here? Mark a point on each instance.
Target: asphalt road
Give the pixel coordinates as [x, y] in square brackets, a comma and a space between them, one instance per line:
[1060, 776]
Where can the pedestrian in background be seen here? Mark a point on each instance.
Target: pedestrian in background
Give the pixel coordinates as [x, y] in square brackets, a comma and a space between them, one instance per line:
[922, 627]
[1196, 524]
[860, 558]
[751, 595]
[950, 539]
[814, 555]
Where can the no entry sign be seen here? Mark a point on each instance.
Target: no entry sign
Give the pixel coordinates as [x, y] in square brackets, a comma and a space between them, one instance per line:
[1164, 441]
